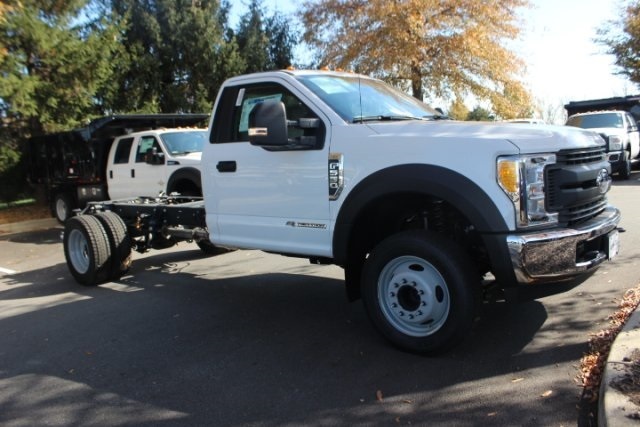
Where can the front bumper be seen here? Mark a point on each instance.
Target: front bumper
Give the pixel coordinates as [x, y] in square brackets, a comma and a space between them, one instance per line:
[563, 254]
[616, 159]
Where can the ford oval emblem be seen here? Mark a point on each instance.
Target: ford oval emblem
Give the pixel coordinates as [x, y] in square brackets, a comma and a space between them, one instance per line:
[603, 181]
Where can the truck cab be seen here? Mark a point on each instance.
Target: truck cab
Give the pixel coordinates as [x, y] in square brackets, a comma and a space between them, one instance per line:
[620, 131]
[153, 162]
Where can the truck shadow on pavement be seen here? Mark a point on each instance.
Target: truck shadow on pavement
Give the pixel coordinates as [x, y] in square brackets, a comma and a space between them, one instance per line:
[41, 237]
[167, 346]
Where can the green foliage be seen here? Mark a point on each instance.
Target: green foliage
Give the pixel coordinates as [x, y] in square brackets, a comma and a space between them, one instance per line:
[622, 37]
[176, 55]
[480, 114]
[12, 174]
[265, 43]
[51, 67]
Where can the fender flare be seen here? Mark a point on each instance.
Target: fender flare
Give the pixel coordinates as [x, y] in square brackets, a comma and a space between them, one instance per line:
[186, 173]
[430, 180]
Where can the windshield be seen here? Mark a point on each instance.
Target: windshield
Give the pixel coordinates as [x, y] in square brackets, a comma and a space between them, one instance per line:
[358, 99]
[184, 142]
[592, 121]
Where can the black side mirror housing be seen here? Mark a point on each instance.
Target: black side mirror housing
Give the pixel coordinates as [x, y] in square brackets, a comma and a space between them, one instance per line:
[153, 157]
[268, 125]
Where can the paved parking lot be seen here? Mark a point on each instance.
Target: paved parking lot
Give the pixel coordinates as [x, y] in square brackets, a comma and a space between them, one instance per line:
[252, 339]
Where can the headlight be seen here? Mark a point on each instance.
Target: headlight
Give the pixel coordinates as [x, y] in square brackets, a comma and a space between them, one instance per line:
[615, 143]
[522, 179]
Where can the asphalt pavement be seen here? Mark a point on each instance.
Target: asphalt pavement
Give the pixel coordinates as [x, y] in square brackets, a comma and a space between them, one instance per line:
[264, 341]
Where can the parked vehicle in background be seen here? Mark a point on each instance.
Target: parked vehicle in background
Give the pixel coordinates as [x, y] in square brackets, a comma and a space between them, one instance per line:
[70, 168]
[153, 162]
[620, 131]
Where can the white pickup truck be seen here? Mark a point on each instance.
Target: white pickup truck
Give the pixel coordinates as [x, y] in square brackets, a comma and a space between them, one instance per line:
[156, 161]
[422, 213]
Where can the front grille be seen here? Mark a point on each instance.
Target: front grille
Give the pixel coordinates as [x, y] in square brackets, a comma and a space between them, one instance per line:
[581, 156]
[571, 185]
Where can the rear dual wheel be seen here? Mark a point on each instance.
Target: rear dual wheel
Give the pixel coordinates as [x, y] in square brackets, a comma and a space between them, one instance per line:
[419, 289]
[96, 248]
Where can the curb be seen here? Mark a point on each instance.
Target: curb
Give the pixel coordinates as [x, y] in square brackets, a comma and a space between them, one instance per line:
[24, 226]
[614, 407]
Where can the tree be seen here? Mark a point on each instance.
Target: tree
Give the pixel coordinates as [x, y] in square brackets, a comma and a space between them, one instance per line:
[480, 114]
[177, 52]
[52, 64]
[451, 48]
[265, 43]
[622, 37]
[457, 110]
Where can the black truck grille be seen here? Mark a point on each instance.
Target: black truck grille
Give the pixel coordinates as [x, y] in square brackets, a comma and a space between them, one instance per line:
[572, 188]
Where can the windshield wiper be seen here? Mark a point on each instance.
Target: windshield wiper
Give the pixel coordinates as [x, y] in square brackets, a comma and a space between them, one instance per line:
[361, 119]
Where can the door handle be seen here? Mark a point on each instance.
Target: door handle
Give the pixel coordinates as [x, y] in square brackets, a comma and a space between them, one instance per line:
[227, 166]
[133, 173]
[110, 174]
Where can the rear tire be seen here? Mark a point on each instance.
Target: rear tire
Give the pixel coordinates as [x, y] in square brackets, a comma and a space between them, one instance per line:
[119, 243]
[61, 206]
[419, 290]
[87, 250]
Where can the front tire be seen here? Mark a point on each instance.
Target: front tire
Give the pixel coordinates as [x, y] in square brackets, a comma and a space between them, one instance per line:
[625, 168]
[87, 250]
[420, 291]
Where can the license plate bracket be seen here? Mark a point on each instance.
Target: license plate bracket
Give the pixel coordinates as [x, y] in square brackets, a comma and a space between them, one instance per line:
[613, 244]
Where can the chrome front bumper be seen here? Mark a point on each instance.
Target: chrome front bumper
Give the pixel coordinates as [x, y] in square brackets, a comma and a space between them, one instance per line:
[560, 255]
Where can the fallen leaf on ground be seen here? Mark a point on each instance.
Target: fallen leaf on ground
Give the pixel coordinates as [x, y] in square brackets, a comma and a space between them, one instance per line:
[379, 395]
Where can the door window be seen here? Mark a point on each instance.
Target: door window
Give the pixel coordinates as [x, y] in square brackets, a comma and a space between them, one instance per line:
[122, 151]
[146, 143]
[250, 96]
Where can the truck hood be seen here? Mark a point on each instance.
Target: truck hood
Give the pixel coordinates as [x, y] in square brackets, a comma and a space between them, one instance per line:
[609, 131]
[528, 138]
[189, 158]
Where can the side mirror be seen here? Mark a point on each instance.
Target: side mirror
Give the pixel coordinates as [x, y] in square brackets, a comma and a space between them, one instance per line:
[268, 125]
[152, 157]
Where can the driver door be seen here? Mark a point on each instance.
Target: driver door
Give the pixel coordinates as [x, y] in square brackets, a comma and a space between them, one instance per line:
[270, 200]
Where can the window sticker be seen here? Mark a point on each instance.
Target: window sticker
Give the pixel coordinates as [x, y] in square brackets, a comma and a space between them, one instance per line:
[240, 97]
[247, 106]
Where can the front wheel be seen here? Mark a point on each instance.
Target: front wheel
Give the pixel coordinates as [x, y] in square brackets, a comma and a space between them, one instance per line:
[420, 291]
[625, 168]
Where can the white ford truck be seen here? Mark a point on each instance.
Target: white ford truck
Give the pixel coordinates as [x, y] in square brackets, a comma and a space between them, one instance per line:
[154, 162]
[421, 212]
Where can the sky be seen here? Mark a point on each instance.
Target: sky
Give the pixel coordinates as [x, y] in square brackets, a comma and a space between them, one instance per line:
[563, 62]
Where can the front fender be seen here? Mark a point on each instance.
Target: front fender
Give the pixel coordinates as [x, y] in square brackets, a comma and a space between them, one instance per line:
[429, 180]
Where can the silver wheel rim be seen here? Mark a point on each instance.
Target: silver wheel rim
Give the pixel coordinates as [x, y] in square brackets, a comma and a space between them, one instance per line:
[78, 251]
[61, 209]
[413, 296]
